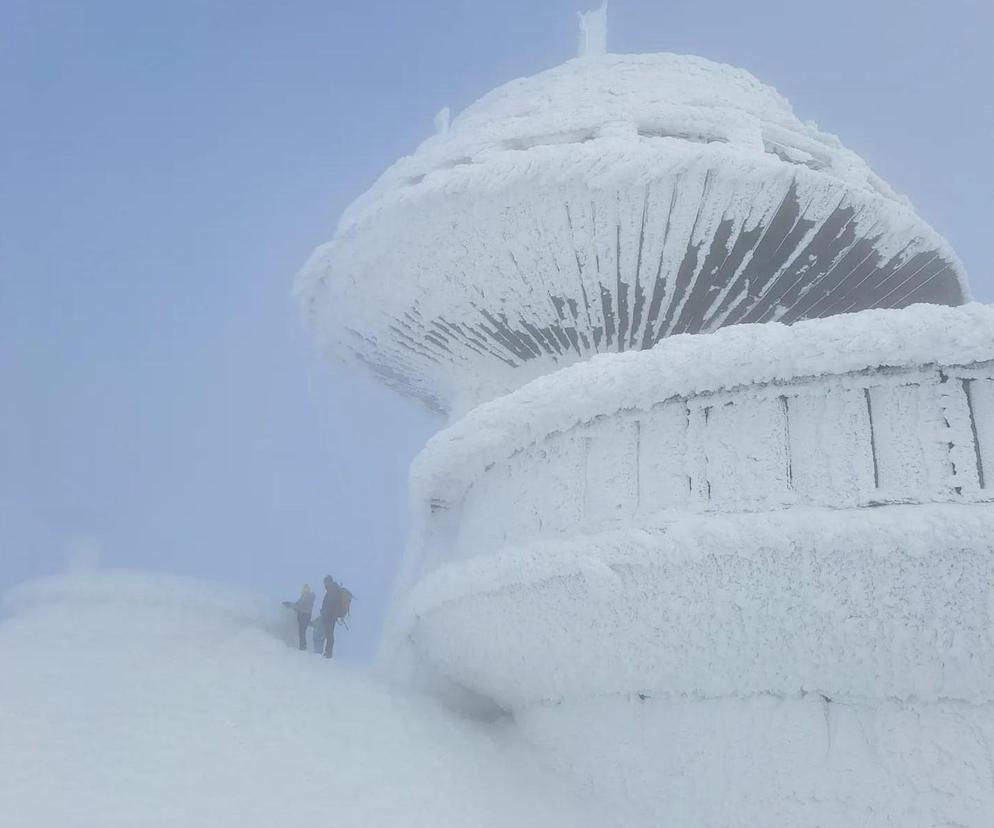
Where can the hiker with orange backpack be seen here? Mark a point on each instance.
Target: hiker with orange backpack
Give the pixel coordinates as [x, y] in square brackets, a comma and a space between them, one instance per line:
[334, 608]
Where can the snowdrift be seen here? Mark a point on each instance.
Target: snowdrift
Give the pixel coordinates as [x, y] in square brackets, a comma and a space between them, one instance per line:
[138, 700]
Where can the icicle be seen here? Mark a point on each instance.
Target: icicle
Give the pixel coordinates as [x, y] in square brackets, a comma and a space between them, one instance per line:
[593, 32]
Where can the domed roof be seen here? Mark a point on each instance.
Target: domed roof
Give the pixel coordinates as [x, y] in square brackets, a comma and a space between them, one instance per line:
[662, 95]
[602, 205]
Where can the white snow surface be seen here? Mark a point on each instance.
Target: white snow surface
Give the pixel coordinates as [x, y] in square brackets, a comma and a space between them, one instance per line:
[134, 701]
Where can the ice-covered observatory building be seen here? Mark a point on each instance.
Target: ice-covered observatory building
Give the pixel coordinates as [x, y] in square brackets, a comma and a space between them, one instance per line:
[712, 516]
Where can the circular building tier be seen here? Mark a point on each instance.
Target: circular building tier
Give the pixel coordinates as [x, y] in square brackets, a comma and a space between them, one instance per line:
[773, 544]
[602, 206]
[850, 413]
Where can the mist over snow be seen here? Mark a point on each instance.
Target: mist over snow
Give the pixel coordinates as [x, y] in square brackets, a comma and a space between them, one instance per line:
[131, 700]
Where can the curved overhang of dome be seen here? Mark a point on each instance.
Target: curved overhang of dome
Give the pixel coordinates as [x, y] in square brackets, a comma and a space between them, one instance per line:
[677, 196]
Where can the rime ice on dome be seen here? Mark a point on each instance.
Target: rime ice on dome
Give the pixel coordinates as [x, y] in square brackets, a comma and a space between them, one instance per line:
[602, 206]
[737, 579]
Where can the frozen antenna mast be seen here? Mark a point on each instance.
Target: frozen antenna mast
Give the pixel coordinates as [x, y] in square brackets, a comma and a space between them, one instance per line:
[593, 32]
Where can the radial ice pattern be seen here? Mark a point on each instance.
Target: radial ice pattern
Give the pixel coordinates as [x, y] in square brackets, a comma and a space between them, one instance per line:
[601, 206]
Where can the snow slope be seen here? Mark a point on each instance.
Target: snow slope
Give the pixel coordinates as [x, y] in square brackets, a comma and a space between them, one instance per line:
[138, 700]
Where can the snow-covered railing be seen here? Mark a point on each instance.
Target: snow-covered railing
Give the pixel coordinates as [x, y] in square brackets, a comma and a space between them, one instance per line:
[749, 419]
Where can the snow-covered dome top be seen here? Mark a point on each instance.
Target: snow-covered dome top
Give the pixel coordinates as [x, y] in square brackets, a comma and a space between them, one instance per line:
[662, 95]
[601, 206]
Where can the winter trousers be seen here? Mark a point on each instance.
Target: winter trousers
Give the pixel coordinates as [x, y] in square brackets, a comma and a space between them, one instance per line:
[329, 636]
[303, 622]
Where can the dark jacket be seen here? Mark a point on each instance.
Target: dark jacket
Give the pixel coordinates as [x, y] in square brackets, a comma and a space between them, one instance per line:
[332, 604]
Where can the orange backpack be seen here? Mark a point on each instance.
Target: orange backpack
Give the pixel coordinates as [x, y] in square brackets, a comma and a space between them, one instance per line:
[344, 603]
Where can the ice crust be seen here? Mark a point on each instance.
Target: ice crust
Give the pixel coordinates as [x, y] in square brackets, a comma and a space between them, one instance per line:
[802, 762]
[853, 604]
[802, 668]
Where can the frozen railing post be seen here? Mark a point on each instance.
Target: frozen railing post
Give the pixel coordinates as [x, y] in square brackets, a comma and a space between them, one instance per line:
[593, 32]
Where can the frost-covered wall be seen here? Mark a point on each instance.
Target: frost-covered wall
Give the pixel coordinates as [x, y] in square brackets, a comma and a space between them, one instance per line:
[801, 667]
[856, 411]
[844, 420]
[763, 555]
[844, 441]
[803, 762]
[888, 602]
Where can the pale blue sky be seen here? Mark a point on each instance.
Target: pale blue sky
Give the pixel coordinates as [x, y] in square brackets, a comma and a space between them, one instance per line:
[166, 168]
